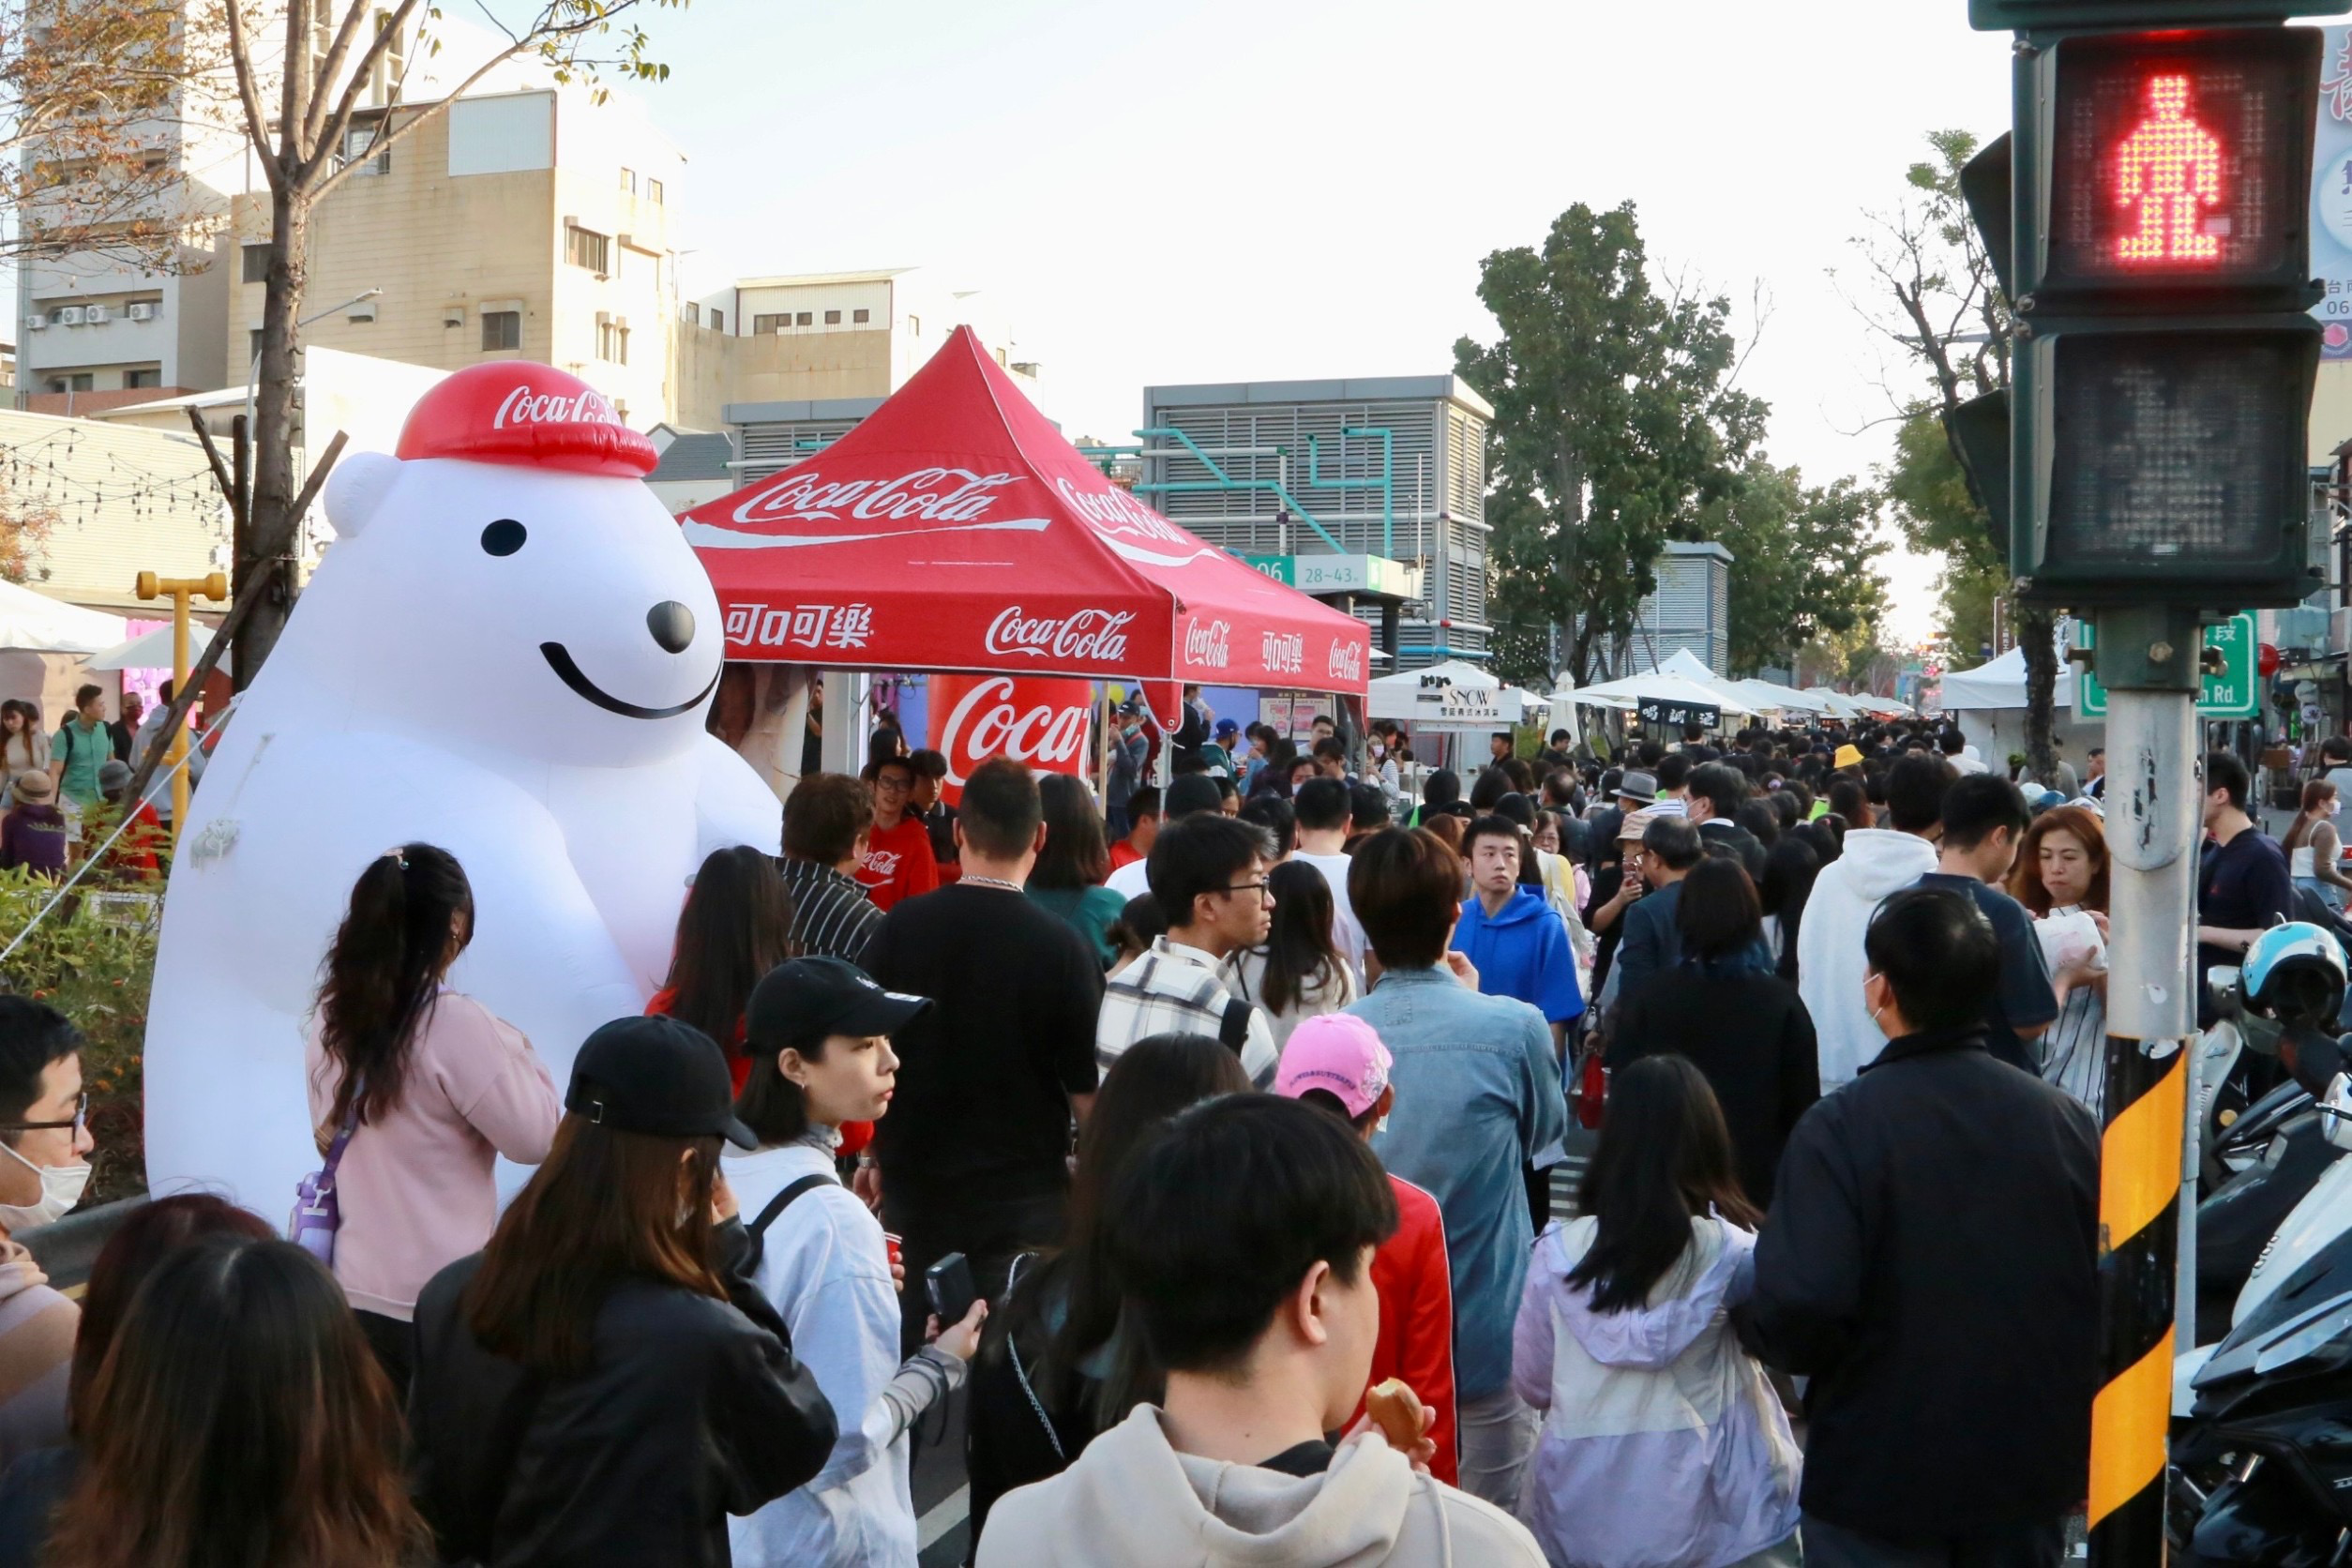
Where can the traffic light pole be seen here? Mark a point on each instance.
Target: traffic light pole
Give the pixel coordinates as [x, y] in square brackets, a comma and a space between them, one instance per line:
[2148, 658]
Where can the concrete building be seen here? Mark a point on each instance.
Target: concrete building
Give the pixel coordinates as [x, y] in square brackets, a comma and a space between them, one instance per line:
[1370, 492]
[528, 221]
[1690, 609]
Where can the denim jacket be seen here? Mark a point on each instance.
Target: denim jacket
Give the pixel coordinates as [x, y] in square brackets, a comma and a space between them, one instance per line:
[1478, 1095]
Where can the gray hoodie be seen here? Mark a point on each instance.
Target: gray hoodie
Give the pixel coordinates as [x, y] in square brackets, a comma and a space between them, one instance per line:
[1133, 1499]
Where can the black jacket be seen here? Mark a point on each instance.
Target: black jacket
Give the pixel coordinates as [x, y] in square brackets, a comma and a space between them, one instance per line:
[1930, 1263]
[1720, 835]
[1750, 1034]
[693, 1409]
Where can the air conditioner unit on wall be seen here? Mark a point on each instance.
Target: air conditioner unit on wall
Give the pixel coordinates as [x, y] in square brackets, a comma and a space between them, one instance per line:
[144, 311]
[36, 322]
[94, 315]
[69, 315]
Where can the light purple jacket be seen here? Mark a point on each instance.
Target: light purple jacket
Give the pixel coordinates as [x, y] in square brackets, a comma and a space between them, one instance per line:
[1663, 1443]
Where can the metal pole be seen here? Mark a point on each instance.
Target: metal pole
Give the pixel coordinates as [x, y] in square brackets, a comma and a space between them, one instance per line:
[2148, 658]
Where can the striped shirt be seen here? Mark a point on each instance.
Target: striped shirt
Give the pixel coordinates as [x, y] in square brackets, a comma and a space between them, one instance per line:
[1175, 989]
[832, 917]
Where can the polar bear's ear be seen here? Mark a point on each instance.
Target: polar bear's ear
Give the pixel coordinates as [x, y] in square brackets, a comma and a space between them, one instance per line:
[356, 488]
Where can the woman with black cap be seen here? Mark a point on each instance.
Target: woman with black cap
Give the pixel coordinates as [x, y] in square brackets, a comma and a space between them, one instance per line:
[604, 1384]
[820, 1054]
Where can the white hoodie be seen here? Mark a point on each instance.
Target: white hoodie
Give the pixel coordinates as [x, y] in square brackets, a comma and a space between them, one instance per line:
[1133, 1500]
[1830, 962]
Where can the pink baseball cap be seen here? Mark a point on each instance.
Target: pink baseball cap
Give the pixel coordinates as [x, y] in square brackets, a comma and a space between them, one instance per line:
[1338, 1053]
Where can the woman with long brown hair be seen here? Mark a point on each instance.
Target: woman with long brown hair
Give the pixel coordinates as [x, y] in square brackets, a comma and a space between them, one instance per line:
[239, 1417]
[736, 925]
[1075, 862]
[415, 1090]
[2062, 879]
[604, 1383]
[2314, 854]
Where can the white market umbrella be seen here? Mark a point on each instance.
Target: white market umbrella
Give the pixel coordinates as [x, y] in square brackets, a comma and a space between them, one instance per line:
[38, 624]
[1417, 695]
[152, 650]
[1769, 694]
[1662, 686]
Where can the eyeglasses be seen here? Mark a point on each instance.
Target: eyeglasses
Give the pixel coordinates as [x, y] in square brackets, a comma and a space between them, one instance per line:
[1263, 888]
[80, 1119]
[893, 786]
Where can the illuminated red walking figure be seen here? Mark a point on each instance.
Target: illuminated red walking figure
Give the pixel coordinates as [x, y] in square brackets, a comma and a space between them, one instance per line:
[2170, 168]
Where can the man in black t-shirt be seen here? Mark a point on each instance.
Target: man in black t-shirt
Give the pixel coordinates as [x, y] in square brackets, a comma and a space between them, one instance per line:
[972, 1157]
[1985, 817]
[2243, 888]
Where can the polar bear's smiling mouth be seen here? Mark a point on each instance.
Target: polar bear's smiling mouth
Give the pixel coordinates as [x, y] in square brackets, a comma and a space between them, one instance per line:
[559, 659]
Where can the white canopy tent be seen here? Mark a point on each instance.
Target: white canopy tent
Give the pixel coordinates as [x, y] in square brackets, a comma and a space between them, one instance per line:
[35, 622]
[152, 650]
[1770, 696]
[1989, 703]
[1680, 677]
[1446, 696]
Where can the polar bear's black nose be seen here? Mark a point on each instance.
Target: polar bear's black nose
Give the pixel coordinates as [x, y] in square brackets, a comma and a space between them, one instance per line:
[673, 625]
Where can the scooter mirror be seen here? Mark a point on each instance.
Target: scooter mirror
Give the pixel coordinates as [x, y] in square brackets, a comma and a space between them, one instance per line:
[2335, 1113]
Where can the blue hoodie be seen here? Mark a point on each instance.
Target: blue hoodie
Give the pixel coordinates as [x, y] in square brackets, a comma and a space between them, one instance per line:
[1522, 952]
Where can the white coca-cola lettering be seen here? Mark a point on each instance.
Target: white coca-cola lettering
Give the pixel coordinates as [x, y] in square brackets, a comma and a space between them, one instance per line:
[1283, 651]
[1114, 511]
[525, 406]
[932, 494]
[1209, 644]
[1089, 636]
[1347, 661]
[985, 724]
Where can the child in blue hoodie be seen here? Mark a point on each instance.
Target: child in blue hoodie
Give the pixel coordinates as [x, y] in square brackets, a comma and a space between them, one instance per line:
[1511, 935]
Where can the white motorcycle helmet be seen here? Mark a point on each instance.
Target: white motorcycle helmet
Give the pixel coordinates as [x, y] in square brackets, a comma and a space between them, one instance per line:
[2293, 974]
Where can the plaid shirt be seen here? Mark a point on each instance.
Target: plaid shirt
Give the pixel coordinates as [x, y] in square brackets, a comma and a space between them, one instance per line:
[1175, 989]
[832, 917]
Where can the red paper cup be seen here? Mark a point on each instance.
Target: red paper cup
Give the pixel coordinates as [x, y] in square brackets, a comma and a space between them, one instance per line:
[890, 1244]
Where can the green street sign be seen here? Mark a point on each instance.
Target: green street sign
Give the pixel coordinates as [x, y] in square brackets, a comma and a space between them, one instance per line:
[2235, 693]
[1339, 574]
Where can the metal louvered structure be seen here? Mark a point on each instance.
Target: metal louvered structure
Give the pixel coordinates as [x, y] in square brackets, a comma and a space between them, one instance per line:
[772, 437]
[1382, 466]
[1691, 609]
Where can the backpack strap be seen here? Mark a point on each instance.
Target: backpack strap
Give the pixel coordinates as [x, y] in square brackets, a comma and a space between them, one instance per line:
[783, 1200]
[1234, 1031]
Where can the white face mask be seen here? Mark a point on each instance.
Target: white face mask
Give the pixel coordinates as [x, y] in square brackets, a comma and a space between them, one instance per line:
[61, 1189]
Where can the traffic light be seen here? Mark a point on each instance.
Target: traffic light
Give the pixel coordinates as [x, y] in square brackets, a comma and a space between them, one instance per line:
[2160, 266]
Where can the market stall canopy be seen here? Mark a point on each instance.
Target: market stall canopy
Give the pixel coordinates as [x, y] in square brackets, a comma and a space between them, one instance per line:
[152, 650]
[1834, 704]
[1769, 696]
[1680, 690]
[37, 624]
[2002, 684]
[1447, 695]
[954, 529]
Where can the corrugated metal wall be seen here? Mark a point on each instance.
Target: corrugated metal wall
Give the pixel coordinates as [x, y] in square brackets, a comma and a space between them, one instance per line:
[768, 449]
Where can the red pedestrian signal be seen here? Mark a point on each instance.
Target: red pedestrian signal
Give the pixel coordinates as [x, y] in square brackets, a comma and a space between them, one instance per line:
[2174, 161]
[2168, 173]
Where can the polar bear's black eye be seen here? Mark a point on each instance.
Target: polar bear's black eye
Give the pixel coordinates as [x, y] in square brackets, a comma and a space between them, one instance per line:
[505, 537]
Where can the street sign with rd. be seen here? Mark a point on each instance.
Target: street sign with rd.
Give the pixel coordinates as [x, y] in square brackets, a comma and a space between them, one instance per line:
[2232, 694]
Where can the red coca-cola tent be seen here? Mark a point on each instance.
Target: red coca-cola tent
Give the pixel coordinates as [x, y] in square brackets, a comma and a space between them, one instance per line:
[956, 530]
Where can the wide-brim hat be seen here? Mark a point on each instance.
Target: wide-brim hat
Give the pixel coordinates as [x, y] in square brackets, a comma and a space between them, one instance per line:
[33, 789]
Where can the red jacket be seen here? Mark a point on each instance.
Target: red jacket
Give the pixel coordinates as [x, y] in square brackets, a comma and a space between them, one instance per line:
[1416, 1342]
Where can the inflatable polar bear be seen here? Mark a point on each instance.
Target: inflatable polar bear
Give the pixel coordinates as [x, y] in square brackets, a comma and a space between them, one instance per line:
[508, 652]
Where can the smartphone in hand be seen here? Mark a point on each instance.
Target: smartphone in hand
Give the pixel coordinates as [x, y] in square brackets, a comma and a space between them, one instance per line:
[950, 1287]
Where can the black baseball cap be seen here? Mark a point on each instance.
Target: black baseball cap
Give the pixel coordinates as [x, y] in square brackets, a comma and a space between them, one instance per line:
[809, 999]
[655, 1075]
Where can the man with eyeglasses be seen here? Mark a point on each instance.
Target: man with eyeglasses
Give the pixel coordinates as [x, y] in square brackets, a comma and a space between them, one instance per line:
[898, 862]
[1208, 874]
[44, 1166]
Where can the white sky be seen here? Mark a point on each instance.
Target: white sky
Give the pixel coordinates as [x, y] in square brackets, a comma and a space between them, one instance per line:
[1232, 189]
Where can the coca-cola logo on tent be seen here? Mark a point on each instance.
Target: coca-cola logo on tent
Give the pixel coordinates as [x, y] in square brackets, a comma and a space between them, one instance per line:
[1130, 527]
[1283, 651]
[1347, 661]
[1042, 723]
[1090, 636]
[934, 500]
[1208, 644]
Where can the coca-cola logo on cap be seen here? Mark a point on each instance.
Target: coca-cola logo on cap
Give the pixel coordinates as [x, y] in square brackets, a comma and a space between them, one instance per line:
[1209, 644]
[1089, 636]
[525, 406]
[1040, 723]
[1347, 661]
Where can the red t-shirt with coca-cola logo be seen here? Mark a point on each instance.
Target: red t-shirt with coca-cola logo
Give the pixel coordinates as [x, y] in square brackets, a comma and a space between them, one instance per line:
[898, 862]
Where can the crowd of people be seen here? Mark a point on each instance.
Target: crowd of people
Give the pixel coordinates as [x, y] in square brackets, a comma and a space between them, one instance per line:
[1221, 1198]
[64, 796]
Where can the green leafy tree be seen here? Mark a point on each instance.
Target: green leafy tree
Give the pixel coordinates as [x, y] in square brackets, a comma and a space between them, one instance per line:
[1616, 424]
[1802, 563]
[1950, 319]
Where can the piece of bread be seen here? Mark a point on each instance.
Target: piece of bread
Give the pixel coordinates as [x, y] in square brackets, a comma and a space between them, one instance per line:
[1395, 1409]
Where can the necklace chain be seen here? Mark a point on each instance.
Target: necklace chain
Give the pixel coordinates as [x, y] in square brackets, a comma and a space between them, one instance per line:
[989, 882]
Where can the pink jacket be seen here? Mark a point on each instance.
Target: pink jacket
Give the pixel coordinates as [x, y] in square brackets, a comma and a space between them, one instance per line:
[417, 1188]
